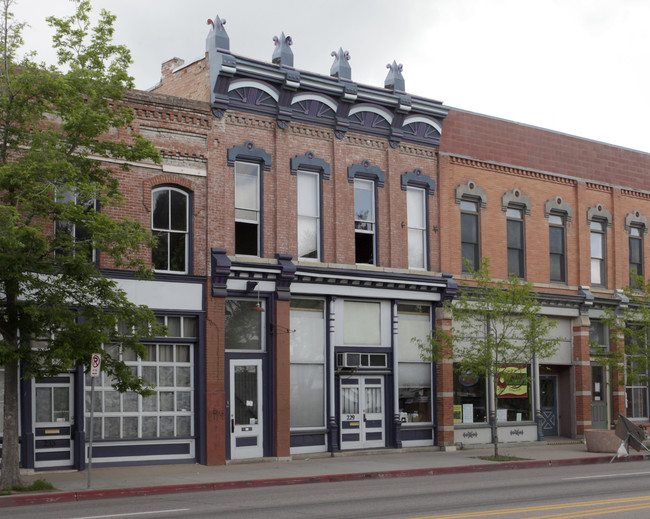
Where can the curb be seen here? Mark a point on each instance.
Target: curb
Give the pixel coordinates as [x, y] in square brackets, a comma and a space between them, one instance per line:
[87, 495]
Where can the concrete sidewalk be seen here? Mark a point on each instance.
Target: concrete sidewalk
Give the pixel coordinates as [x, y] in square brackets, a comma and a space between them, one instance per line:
[170, 478]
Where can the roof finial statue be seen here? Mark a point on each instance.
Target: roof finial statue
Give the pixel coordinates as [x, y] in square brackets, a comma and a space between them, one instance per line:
[282, 55]
[218, 37]
[394, 80]
[341, 68]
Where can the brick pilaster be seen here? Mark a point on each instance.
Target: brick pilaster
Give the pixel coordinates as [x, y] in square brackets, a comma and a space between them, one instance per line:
[282, 376]
[582, 374]
[215, 398]
[445, 387]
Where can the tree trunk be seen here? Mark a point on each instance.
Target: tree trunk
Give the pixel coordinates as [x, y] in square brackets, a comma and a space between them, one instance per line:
[10, 473]
[493, 415]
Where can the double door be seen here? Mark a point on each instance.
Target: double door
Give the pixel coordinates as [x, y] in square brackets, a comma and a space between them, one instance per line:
[362, 412]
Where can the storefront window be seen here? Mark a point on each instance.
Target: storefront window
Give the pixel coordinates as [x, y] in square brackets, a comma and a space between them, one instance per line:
[470, 402]
[513, 394]
[307, 363]
[169, 369]
[414, 322]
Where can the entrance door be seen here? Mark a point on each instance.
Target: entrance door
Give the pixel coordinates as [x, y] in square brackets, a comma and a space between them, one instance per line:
[548, 401]
[53, 420]
[246, 420]
[598, 398]
[362, 412]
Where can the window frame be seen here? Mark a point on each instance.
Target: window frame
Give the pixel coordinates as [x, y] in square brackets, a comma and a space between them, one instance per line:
[521, 250]
[598, 228]
[359, 232]
[258, 210]
[636, 233]
[562, 255]
[187, 233]
[475, 213]
[70, 228]
[302, 173]
[421, 230]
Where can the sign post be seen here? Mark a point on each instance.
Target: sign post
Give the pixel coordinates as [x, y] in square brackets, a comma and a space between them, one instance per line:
[95, 369]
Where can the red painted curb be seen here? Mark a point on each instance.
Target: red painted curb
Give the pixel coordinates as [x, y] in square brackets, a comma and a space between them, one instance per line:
[87, 495]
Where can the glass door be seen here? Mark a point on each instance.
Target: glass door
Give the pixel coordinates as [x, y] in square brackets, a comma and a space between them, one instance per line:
[53, 421]
[246, 418]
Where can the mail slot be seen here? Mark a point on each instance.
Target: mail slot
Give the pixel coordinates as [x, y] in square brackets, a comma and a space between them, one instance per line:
[52, 431]
[246, 428]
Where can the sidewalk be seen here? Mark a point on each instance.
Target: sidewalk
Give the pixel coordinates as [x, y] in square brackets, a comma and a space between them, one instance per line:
[164, 479]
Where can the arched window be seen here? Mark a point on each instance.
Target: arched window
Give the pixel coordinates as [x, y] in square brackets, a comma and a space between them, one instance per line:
[170, 224]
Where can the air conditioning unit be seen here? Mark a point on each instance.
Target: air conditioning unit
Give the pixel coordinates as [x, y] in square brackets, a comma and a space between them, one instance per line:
[350, 360]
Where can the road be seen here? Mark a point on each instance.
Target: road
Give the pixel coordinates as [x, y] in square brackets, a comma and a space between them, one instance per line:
[620, 490]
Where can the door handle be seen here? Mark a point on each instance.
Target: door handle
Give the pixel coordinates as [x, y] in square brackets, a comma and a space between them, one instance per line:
[232, 425]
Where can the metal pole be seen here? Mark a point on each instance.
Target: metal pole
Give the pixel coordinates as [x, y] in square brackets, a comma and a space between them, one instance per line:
[92, 428]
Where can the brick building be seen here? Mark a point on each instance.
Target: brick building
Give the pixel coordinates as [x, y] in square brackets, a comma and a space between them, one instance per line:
[308, 228]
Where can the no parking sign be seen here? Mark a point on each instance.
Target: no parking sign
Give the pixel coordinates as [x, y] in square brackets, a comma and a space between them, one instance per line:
[95, 364]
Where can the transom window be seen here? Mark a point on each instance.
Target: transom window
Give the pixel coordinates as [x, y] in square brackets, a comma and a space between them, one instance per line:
[417, 226]
[309, 222]
[247, 208]
[469, 234]
[557, 247]
[245, 325]
[515, 223]
[364, 221]
[170, 224]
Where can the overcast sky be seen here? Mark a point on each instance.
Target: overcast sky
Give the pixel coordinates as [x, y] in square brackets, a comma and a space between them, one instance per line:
[580, 67]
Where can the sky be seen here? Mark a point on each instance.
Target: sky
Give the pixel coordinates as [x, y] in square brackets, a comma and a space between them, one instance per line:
[580, 67]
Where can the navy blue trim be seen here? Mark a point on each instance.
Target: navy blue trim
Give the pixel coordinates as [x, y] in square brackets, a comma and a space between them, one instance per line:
[200, 411]
[416, 178]
[55, 456]
[249, 153]
[140, 448]
[367, 171]
[308, 162]
[26, 426]
[307, 440]
[246, 441]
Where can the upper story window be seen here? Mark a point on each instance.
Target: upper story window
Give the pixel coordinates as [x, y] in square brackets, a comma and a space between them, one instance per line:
[80, 234]
[417, 227]
[599, 219]
[636, 225]
[247, 208]
[516, 205]
[364, 221]
[636, 253]
[516, 254]
[598, 266]
[471, 199]
[558, 213]
[557, 247]
[309, 221]
[470, 234]
[170, 224]
[248, 162]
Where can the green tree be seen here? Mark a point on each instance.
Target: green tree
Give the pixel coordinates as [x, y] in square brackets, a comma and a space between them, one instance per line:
[629, 329]
[56, 306]
[496, 323]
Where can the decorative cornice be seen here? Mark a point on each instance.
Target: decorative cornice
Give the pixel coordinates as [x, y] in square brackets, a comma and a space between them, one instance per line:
[635, 194]
[515, 198]
[598, 212]
[367, 171]
[418, 179]
[511, 170]
[309, 162]
[558, 204]
[637, 219]
[598, 187]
